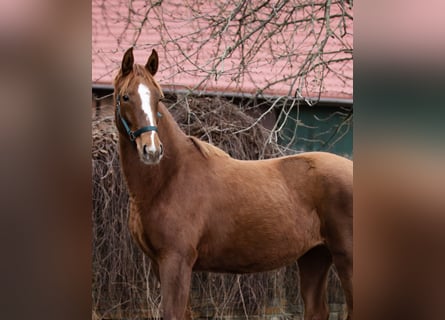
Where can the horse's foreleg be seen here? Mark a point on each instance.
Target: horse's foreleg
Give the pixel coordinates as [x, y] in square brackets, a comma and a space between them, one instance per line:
[314, 267]
[175, 274]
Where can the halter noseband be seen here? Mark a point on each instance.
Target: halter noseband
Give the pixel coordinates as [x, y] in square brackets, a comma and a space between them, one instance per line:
[132, 135]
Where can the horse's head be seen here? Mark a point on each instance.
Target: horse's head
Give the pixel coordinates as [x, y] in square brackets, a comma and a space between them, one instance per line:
[137, 96]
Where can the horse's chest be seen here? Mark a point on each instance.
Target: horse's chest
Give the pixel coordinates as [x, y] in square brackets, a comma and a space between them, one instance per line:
[138, 231]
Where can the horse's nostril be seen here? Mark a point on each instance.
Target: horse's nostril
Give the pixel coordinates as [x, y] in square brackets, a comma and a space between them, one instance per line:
[144, 149]
[161, 147]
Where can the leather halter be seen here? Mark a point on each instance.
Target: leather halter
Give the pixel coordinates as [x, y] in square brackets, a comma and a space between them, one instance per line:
[132, 135]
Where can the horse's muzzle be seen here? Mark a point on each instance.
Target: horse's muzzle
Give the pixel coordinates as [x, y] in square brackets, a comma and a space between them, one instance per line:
[151, 154]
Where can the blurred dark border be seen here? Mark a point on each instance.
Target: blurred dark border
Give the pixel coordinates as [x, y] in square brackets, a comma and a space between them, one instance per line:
[45, 133]
[399, 158]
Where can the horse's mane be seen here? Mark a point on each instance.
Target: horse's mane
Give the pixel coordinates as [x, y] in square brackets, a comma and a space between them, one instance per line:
[207, 150]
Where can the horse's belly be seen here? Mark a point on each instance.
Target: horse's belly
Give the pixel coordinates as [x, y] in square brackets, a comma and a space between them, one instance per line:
[246, 266]
[260, 232]
[254, 256]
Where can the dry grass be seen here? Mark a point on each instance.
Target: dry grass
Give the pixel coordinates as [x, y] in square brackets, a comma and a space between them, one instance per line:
[123, 283]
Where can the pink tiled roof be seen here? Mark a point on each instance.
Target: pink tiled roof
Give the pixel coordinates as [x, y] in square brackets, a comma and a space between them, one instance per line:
[116, 26]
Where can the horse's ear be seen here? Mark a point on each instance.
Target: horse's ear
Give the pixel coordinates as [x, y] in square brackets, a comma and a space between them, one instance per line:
[127, 62]
[152, 63]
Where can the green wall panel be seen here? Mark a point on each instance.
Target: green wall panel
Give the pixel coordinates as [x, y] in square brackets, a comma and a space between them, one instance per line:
[305, 128]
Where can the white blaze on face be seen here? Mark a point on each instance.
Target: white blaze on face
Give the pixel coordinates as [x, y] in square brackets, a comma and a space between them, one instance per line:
[144, 94]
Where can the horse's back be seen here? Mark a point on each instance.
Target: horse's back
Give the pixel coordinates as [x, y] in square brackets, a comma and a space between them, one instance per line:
[318, 167]
[332, 172]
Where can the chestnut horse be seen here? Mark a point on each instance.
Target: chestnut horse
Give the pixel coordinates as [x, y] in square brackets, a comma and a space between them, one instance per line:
[193, 207]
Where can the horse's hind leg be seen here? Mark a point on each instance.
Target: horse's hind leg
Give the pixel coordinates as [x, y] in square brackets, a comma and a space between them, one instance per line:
[314, 267]
[341, 251]
[339, 241]
[343, 264]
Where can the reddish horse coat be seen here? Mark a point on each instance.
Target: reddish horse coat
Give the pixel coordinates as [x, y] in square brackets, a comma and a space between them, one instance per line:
[193, 207]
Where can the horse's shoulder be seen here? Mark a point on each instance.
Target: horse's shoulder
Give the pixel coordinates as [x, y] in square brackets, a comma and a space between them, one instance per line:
[206, 149]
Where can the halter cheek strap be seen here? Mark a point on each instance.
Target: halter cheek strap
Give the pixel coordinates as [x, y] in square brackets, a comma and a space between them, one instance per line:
[132, 135]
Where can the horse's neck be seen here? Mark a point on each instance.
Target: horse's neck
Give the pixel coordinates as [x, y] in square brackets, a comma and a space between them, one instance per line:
[170, 134]
[145, 180]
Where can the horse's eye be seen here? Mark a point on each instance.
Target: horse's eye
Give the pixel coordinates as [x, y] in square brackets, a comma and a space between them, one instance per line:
[125, 97]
